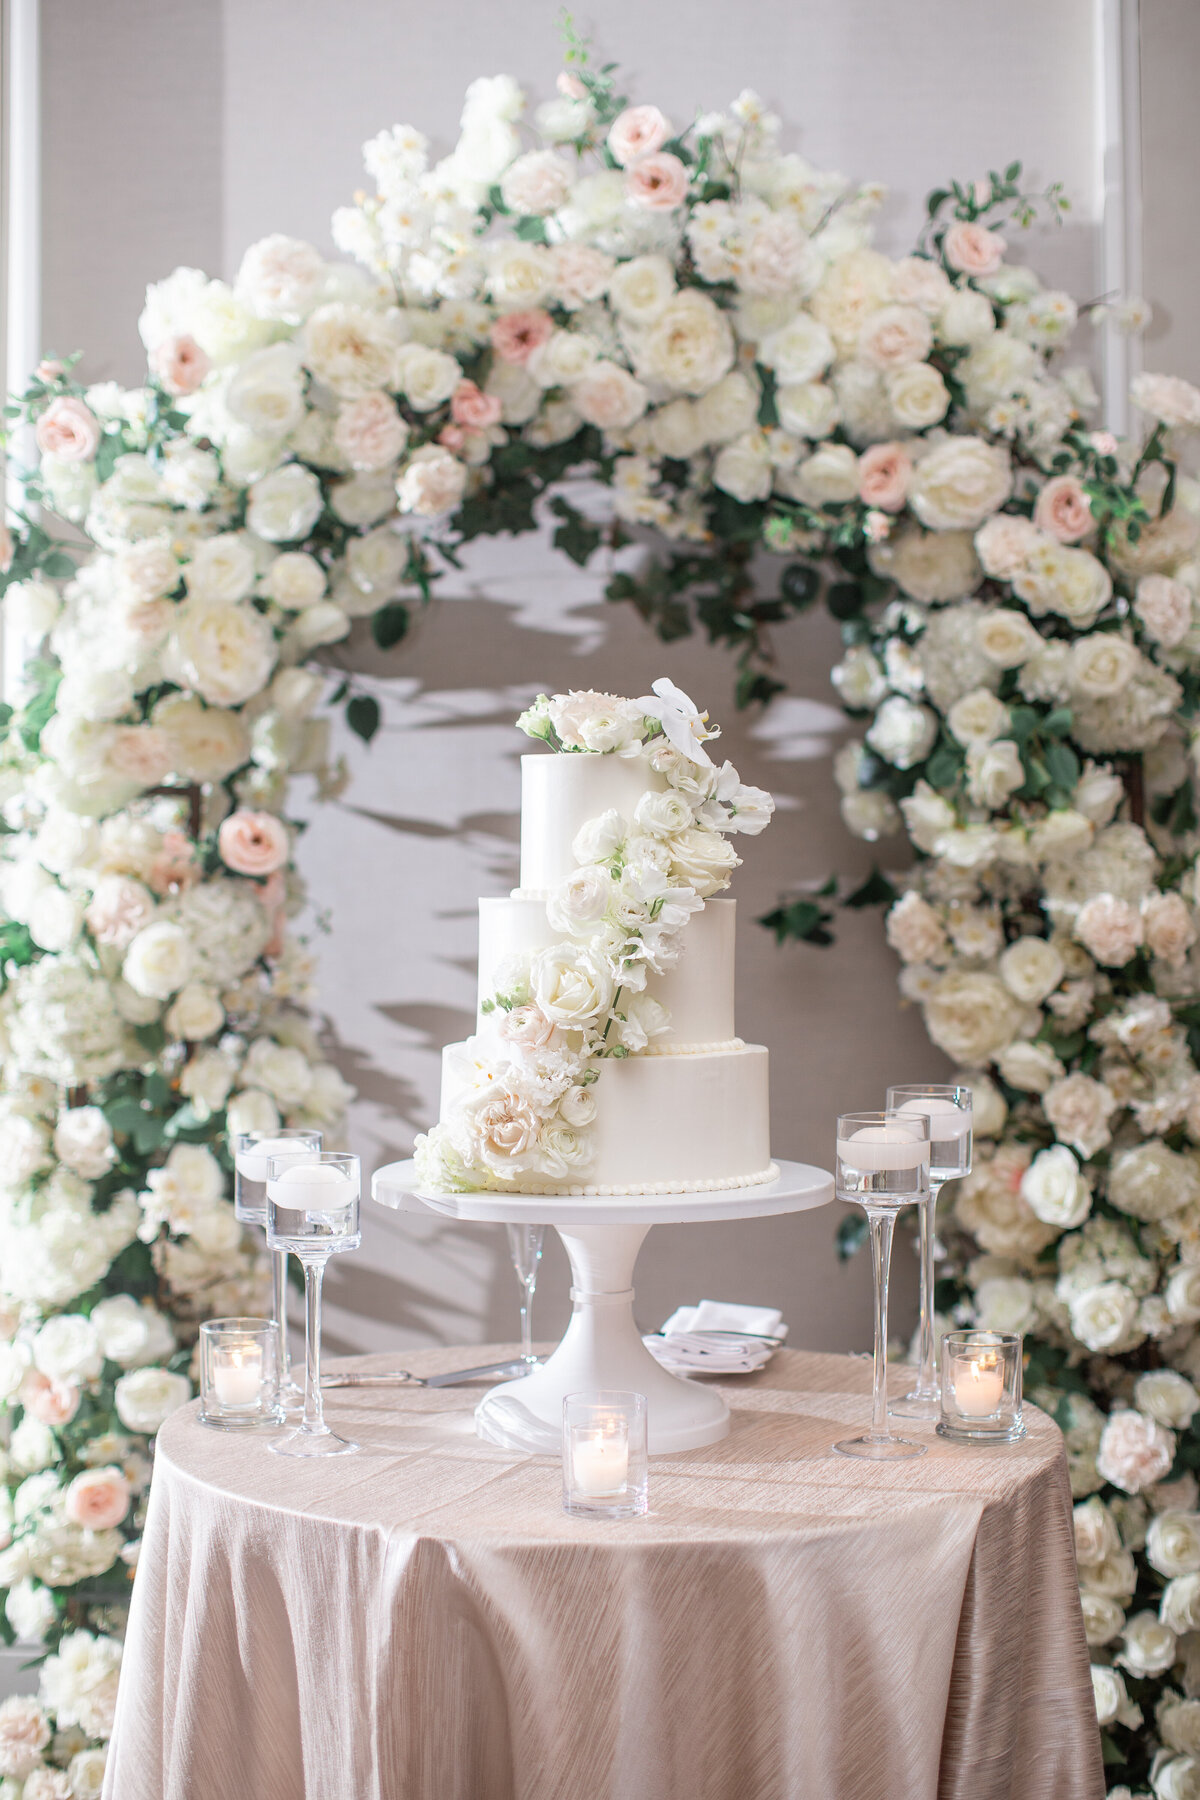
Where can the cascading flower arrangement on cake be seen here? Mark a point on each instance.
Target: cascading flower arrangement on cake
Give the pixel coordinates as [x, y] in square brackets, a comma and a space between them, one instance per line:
[569, 965]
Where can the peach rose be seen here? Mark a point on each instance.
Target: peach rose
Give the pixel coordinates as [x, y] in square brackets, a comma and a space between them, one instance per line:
[1134, 1451]
[51, 1402]
[6, 550]
[658, 182]
[609, 397]
[973, 249]
[50, 369]
[581, 273]
[141, 752]
[1064, 510]
[98, 1499]
[253, 843]
[515, 336]
[638, 131]
[884, 472]
[1170, 932]
[1111, 929]
[117, 910]
[180, 365]
[69, 430]
[471, 407]
[452, 437]
[370, 432]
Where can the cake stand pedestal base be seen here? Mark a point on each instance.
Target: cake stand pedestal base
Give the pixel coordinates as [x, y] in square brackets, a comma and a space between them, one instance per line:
[602, 1346]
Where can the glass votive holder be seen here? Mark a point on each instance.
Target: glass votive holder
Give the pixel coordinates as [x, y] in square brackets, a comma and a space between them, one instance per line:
[239, 1374]
[981, 1387]
[605, 1467]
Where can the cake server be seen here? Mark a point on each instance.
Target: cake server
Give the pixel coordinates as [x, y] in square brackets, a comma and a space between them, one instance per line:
[451, 1377]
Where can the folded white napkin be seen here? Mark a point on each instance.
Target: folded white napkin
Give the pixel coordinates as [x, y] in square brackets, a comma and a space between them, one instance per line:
[707, 1339]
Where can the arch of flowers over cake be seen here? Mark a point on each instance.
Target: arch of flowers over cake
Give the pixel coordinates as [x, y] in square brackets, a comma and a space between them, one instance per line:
[696, 320]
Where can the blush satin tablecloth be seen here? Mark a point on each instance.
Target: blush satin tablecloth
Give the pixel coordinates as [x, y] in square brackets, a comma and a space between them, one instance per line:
[422, 1622]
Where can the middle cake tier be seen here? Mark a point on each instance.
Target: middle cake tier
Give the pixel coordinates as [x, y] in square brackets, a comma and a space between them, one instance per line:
[697, 992]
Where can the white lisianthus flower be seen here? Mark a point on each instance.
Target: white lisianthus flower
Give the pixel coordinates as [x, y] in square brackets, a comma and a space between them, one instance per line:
[902, 733]
[159, 960]
[960, 483]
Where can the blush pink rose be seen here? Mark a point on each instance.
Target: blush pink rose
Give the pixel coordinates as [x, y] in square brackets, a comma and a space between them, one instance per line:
[1103, 443]
[1134, 1451]
[581, 273]
[370, 432]
[50, 369]
[253, 843]
[1064, 510]
[180, 365]
[884, 472]
[973, 249]
[174, 867]
[658, 182]
[453, 437]
[515, 336]
[98, 1499]
[638, 131]
[117, 910]
[471, 407]
[570, 86]
[528, 1028]
[140, 752]
[6, 550]
[69, 430]
[51, 1402]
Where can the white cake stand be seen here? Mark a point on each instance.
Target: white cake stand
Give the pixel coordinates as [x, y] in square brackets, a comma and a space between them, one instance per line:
[602, 1347]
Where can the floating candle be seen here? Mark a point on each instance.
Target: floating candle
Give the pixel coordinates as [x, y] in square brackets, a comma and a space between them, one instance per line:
[946, 1120]
[878, 1147]
[252, 1161]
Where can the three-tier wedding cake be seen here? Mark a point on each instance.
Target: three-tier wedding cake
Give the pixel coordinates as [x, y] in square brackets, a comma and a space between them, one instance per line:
[605, 1059]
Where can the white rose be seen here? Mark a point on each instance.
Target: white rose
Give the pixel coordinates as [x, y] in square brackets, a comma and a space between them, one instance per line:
[1179, 1609]
[702, 860]
[744, 468]
[1103, 1618]
[67, 1349]
[959, 483]
[1030, 1067]
[894, 337]
[1006, 637]
[225, 653]
[663, 814]
[1079, 1109]
[1101, 665]
[600, 838]
[677, 431]
[145, 1398]
[195, 1013]
[221, 569]
[1134, 1452]
[365, 498]
[608, 397]
[1164, 608]
[903, 734]
[966, 319]
[1103, 1316]
[1031, 968]
[55, 919]
[572, 986]
[1098, 793]
[808, 409]
[84, 1141]
[931, 566]
[1058, 578]
[1178, 1720]
[799, 351]
[251, 1111]
[1112, 930]
[1183, 1294]
[1056, 1190]
[1168, 1397]
[994, 772]
[427, 377]
[350, 349]
[690, 345]
[295, 580]
[1148, 1646]
[285, 504]
[207, 742]
[33, 606]
[859, 680]
[562, 360]
[159, 960]
[727, 410]
[978, 718]
[520, 275]
[971, 1016]
[870, 814]
[432, 482]
[536, 183]
[581, 901]
[1178, 1777]
[30, 1610]
[1004, 1303]
[916, 395]
[1096, 1534]
[281, 278]
[828, 477]
[265, 393]
[1173, 1538]
[130, 1334]
[281, 1070]
[640, 289]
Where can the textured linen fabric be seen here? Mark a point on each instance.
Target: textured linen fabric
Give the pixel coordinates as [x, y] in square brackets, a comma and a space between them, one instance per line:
[422, 1622]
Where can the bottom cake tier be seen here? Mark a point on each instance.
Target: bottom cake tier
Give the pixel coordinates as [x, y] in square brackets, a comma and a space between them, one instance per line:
[666, 1124]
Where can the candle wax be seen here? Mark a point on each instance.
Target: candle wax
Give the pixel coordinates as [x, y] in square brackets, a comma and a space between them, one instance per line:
[978, 1386]
[237, 1377]
[312, 1186]
[945, 1119]
[878, 1147]
[252, 1163]
[600, 1463]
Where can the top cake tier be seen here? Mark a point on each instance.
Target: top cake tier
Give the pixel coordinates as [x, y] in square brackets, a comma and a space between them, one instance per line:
[561, 793]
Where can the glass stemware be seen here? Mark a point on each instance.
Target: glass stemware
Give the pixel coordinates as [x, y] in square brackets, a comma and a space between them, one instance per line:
[882, 1166]
[948, 1109]
[525, 1248]
[252, 1150]
[313, 1213]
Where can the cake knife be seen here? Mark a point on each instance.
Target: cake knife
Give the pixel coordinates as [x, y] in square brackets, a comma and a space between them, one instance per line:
[450, 1378]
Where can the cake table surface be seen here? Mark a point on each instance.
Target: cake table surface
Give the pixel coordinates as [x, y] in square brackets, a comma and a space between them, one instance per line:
[602, 1347]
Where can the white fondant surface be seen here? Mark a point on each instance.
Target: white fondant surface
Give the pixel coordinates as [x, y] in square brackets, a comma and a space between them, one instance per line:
[697, 992]
[559, 793]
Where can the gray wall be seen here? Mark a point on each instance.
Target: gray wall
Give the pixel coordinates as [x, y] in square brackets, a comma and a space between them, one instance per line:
[181, 130]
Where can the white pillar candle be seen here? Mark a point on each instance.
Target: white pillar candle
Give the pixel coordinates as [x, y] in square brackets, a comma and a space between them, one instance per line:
[978, 1384]
[313, 1186]
[600, 1462]
[877, 1147]
[237, 1376]
[946, 1120]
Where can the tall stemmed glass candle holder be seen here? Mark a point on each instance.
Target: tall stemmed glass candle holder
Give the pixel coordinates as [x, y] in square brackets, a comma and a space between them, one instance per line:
[525, 1248]
[948, 1110]
[312, 1213]
[252, 1150]
[882, 1165]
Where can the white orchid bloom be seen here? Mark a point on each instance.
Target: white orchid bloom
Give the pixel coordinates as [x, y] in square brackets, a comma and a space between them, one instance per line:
[684, 725]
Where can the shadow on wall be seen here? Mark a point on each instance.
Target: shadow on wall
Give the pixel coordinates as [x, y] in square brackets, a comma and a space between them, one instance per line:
[431, 821]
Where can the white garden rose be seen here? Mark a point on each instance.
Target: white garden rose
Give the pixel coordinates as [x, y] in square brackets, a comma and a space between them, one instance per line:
[808, 409]
[915, 931]
[994, 772]
[1096, 1534]
[902, 733]
[960, 483]
[79, 1682]
[1151, 1181]
[536, 183]
[1056, 1189]
[66, 1348]
[828, 477]
[145, 1398]
[702, 860]
[1176, 1778]
[1101, 665]
[971, 1016]
[1058, 578]
[251, 1110]
[221, 569]
[1168, 1397]
[1182, 1294]
[1004, 1303]
[432, 482]
[1134, 1452]
[664, 814]
[689, 346]
[159, 960]
[744, 468]
[966, 318]
[1029, 1066]
[1173, 1539]
[225, 653]
[1110, 929]
[1006, 637]
[1103, 1618]
[285, 505]
[129, 1333]
[978, 718]
[1079, 1108]
[608, 397]
[1104, 1317]
[1179, 1609]
[1110, 1697]
[1031, 968]
[572, 985]
[931, 566]
[916, 395]
[1178, 1720]
[859, 680]
[640, 288]
[349, 348]
[83, 1140]
[798, 352]
[294, 580]
[281, 278]
[1148, 1646]
[265, 393]
[426, 377]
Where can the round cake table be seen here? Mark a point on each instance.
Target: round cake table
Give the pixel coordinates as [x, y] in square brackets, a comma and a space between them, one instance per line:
[602, 1346]
[422, 1621]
